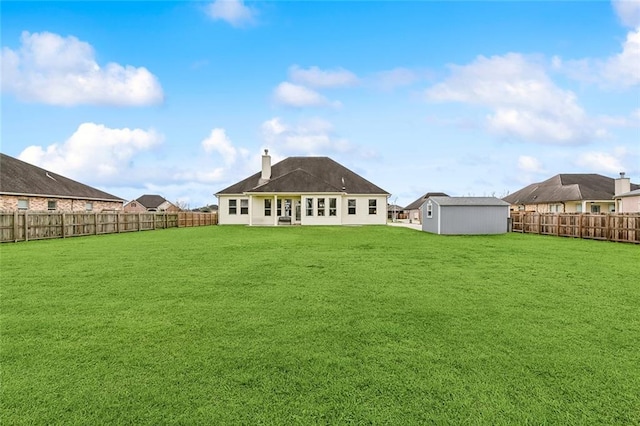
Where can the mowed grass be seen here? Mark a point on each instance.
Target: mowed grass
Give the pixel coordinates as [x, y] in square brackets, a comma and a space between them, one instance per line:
[319, 325]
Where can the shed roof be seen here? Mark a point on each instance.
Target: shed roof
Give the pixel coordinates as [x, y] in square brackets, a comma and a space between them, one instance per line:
[306, 174]
[469, 201]
[20, 178]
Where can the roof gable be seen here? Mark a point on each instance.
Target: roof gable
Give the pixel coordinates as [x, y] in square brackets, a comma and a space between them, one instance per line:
[21, 178]
[325, 174]
[151, 201]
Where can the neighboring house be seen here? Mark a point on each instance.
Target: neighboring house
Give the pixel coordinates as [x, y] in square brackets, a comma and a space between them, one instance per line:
[628, 202]
[413, 210]
[465, 215]
[305, 191]
[571, 193]
[26, 187]
[395, 212]
[150, 203]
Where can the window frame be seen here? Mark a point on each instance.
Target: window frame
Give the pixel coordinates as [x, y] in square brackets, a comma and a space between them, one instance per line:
[321, 206]
[308, 210]
[373, 206]
[26, 202]
[333, 206]
[351, 206]
[429, 209]
[233, 207]
[244, 206]
[267, 207]
[53, 203]
[88, 206]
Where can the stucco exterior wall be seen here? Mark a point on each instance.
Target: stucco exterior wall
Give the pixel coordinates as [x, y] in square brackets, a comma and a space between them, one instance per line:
[257, 210]
[629, 204]
[10, 203]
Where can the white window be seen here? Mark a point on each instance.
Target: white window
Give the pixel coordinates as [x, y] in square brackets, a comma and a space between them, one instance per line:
[309, 209]
[244, 206]
[51, 205]
[88, 206]
[267, 207]
[429, 209]
[595, 208]
[23, 204]
[233, 206]
[279, 207]
[320, 206]
[373, 206]
[579, 208]
[351, 206]
[332, 207]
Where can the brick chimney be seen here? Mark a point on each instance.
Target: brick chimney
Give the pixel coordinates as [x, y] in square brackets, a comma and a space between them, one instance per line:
[623, 185]
[266, 168]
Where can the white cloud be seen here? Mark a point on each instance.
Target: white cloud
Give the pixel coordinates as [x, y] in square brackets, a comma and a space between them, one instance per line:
[220, 143]
[310, 137]
[529, 164]
[315, 77]
[623, 69]
[610, 163]
[94, 152]
[300, 96]
[55, 70]
[391, 79]
[628, 12]
[618, 71]
[526, 104]
[235, 12]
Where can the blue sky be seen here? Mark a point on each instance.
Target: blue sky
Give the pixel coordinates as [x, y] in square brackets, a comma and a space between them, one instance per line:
[180, 98]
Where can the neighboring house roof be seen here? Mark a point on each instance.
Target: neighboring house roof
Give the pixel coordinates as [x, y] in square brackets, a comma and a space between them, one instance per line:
[469, 201]
[306, 174]
[151, 201]
[566, 187]
[629, 194]
[20, 178]
[395, 207]
[417, 203]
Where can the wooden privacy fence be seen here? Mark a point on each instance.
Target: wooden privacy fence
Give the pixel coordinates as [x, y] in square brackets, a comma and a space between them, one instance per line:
[621, 227]
[25, 226]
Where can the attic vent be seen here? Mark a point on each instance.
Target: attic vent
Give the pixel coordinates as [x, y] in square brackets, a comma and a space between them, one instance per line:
[49, 176]
[343, 185]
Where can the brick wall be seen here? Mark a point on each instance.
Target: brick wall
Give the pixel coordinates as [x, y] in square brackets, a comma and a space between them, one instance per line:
[10, 203]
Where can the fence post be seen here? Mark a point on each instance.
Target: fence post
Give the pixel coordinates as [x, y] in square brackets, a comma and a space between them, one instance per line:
[15, 226]
[26, 227]
[139, 221]
[63, 230]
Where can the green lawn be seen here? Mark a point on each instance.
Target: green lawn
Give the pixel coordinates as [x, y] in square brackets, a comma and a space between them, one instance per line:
[319, 325]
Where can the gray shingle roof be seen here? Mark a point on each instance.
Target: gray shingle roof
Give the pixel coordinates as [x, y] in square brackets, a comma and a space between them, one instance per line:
[306, 174]
[151, 201]
[629, 194]
[417, 203]
[469, 201]
[20, 178]
[566, 187]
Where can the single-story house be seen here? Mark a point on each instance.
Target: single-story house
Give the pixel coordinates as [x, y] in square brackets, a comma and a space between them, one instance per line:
[465, 215]
[413, 210]
[25, 187]
[304, 191]
[571, 193]
[150, 203]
